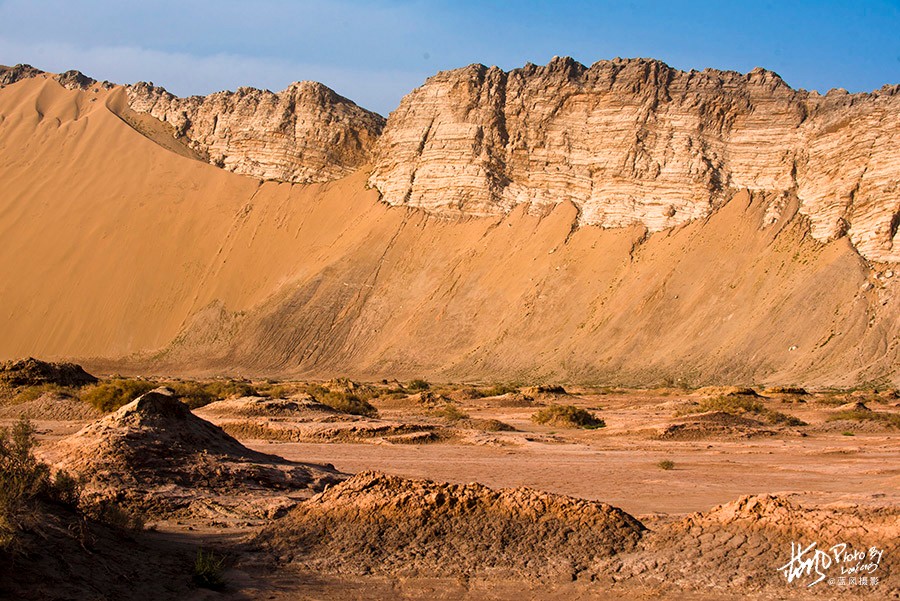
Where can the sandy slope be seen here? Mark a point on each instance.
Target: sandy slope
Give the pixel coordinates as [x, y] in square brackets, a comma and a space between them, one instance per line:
[113, 245]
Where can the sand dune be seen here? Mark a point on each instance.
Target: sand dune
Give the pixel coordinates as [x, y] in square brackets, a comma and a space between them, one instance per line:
[115, 245]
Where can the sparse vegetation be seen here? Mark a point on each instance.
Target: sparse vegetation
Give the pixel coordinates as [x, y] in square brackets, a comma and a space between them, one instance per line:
[418, 384]
[744, 405]
[567, 416]
[847, 433]
[109, 395]
[348, 403]
[451, 413]
[209, 570]
[497, 390]
[31, 393]
[666, 464]
[857, 415]
[198, 394]
[24, 481]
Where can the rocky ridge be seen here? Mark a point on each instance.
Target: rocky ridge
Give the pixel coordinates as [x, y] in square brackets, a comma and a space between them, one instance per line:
[638, 142]
[306, 133]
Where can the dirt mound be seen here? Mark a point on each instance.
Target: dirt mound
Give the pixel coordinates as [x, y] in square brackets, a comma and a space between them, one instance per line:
[65, 556]
[296, 408]
[728, 391]
[51, 406]
[373, 523]
[155, 454]
[854, 406]
[714, 424]
[32, 372]
[744, 543]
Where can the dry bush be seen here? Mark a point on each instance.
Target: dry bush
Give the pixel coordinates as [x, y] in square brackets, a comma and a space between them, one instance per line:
[451, 413]
[889, 419]
[348, 403]
[567, 416]
[198, 394]
[109, 395]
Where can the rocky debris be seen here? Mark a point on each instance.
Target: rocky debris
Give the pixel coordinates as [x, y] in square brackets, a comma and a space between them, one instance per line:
[305, 133]
[743, 543]
[726, 391]
[374, 523]
[154, 454]
[634, 141]
[33, 372]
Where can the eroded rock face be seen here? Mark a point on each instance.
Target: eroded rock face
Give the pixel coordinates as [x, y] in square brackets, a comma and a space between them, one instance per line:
[635, 141]
[305, 133]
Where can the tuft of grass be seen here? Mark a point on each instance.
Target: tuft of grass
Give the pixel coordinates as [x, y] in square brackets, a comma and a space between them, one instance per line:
[743, 405]
[889, 419]
[497, 390]
[666, 464]
[109, 395]
[567, 416]
[847, 433]
[209, 570]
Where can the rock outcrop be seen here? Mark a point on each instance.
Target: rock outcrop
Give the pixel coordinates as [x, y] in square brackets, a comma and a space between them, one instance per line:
[306, 133]
[33, 372]
[638, 142]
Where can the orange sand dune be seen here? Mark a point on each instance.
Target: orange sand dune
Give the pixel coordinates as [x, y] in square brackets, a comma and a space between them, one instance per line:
[115, 245]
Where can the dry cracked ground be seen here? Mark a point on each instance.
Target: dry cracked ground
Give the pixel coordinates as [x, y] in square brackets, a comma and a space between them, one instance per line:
[234, 489]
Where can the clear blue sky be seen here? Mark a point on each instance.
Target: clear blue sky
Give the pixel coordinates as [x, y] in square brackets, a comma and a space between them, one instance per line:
[375, 52]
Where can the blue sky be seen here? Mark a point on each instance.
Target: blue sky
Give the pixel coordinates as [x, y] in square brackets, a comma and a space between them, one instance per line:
[375, 52]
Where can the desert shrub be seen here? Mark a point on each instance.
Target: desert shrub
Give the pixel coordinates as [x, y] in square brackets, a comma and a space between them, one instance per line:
[109, 395]
[666, 464]
[348, 403]
[497, 390]
[451, 413]
[418, 384]
[567, 416]
[490, 425]
[858, 415]
[316, 391]
[31, 393]
[198, 394]
[847, 433]
[116, 516]
[22, 477]
[743, 405]
[209, 570]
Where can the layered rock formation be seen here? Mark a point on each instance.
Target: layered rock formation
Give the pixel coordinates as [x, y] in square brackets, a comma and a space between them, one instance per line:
[637, 142]
[305, 133]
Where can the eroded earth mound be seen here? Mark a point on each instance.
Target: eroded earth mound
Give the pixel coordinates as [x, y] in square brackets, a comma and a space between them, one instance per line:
[373, 523]
[155, 454]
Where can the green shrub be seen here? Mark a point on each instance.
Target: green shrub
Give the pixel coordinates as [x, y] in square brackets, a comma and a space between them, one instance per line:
[209, 571]
[497, 390]
[109, 395]
[666, 464]
[567, 416]
[31, 393]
